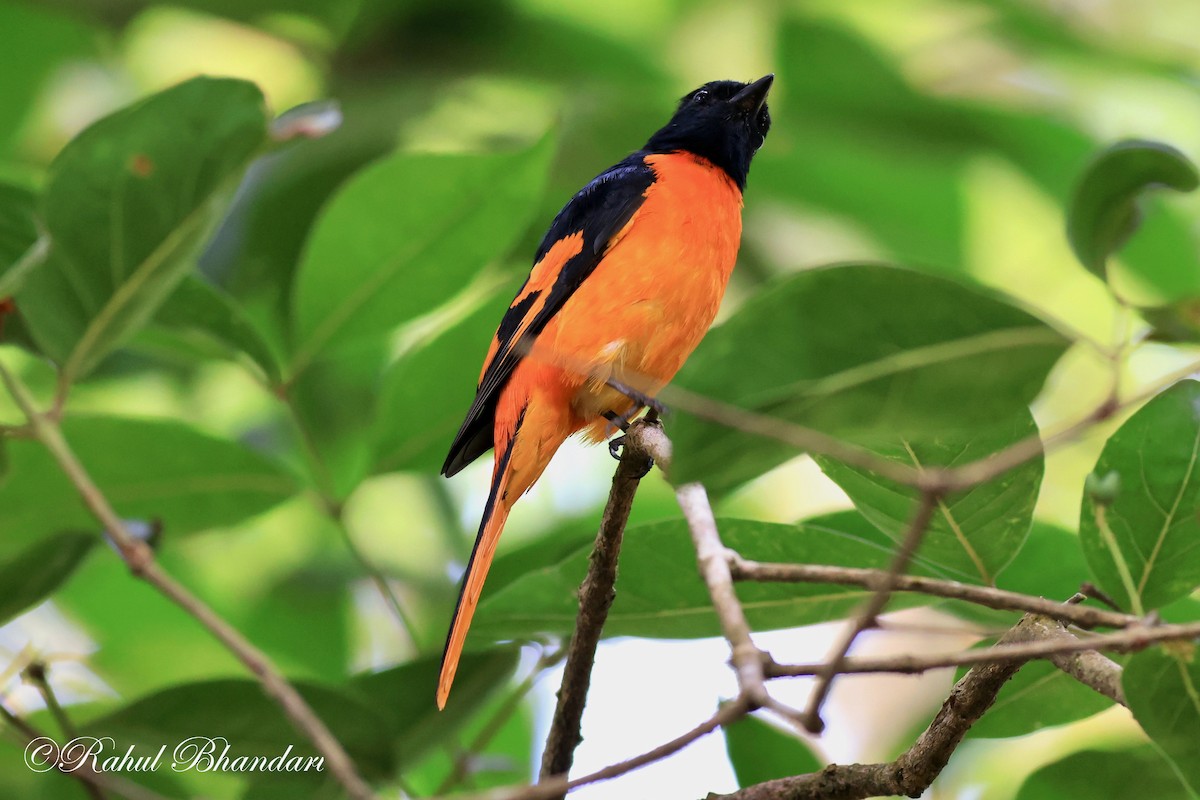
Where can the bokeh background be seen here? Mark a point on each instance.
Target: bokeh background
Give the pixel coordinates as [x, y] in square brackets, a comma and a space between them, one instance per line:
[942, 135]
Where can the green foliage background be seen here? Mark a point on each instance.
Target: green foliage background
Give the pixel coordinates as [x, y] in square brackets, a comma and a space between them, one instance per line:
[265, 341]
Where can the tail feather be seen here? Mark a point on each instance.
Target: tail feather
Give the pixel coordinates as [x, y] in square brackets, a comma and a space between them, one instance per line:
[495, 514]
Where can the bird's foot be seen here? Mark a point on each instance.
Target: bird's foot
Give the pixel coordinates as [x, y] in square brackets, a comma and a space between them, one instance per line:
[641, 398]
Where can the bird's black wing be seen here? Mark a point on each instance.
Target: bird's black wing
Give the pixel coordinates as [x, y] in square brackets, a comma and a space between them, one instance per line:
[599, 211]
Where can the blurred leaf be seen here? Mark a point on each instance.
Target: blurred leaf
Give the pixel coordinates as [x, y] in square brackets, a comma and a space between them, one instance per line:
[200, 320]
[239, 712]
[148, 469]
[406, 234]
[660, 595]
[309, 605]
[1132, 773]
[426, 393]
[47, 41]
[1154, 516]
[1038, 696]
[859, 351]
[1175, 322]
[1162, 688]
[761, 752]
[18, 233]
[126, 203]
[404, 696]
[1104, 210]
[39, 570]
[973, 534]
[333, 399]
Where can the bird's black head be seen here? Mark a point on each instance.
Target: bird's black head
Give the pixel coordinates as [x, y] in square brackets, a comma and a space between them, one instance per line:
[723, 121]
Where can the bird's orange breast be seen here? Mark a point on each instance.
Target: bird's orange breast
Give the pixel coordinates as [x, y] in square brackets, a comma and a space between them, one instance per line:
[654, 294]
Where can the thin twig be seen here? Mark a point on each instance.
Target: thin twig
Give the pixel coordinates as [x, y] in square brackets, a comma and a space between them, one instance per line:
[556, 786]
[874, 579]
[713, 562]
[140, 558]
[596, 595]
[35, 673]
[913, 772]
[462, 761]
[1128, 640]
[870, 610]
[81, 771]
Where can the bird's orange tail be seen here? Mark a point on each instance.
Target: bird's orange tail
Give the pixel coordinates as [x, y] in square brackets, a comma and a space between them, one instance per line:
[494, 516]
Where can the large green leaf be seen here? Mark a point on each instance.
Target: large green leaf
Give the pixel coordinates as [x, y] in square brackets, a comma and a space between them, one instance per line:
[1153, 518]
[660, 594]
[239, 711]
[426, 393]
[973, 534]
[857, 351]
[1104, 210]
[406, 234]
[1163, 690]
[18, 233]
[148, 469]
[36, 572]
[126, 203]
[761, 752]
[404, 696]
[200, 320]
[1130, 774]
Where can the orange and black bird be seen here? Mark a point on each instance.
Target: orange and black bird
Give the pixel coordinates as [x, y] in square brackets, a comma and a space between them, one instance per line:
[623, 287]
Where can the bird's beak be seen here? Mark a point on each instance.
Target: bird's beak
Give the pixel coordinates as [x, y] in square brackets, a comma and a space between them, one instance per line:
[753, 96]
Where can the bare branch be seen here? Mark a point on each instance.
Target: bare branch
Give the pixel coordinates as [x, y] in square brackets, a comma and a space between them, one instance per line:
[913, 772]
[595, 598]
[870, 610]
[713, 562]
[140, 558]
[874, 579]
[95, 783]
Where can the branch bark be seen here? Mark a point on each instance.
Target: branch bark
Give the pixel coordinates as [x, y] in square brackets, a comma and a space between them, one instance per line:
[595, 598]
[1083, 616]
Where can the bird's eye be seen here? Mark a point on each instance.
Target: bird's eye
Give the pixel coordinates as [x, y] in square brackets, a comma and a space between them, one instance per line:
[701, 96]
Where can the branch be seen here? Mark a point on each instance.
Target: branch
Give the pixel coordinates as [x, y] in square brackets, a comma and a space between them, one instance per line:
[874, 579]
[713, 563]
[595, 598]
[1079, 658]
[870, 610]
[95, 783]
[140, 558]
[913, 772]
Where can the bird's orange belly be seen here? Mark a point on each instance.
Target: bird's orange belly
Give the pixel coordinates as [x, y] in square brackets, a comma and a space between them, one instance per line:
[654, 294]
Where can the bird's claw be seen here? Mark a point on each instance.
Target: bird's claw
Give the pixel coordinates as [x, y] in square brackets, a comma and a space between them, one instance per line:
[614, 446]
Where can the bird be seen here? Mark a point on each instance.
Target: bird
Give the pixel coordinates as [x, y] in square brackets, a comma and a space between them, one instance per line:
[623, 287]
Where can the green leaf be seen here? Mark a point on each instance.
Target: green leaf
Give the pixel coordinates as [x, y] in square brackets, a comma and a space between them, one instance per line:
[425, 393]
[1104, 209]
[202, 321]
[34, 574]
[761, 752]
[406, 234]
[1132, 773]
[659, 593]
[1153, 518]
[404, 696]
[127, 202]
[856, 351]
[18, 235]
[1038, 696]
[148, 469]
[973, 534]
[239, 711]
[1163, 690]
